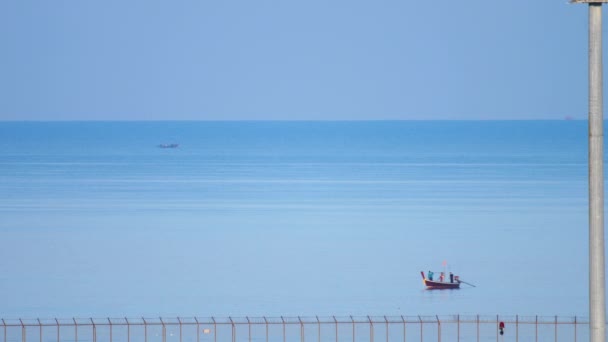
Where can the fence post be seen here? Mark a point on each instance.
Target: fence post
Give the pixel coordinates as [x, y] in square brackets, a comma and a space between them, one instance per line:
[371, 329]
[352, 320]
[403, 319]
[574, 328]
[179, 320]
[94, 330]
[516, 328]
[128, 329]
[265, 320]
[4, 324]
[438, 329]
[110, 322]
[421, 332]
[249, 328]
[301, 329]
[497, 323]
[40, 329]
[336, 321]
[319, 329]
[164, 332]
[198, 330]
[284, 337]
[75, 329]
[23, 338]
[556, 328]
[458, 329]
[214, 329]
[477, 328]
[145, 329]
[58, 330]
[536, 329]
[233, 332]
[385, 320]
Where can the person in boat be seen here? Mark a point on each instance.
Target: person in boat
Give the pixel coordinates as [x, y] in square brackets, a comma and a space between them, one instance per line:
[441, 276]
[430, 276]
[451, 277]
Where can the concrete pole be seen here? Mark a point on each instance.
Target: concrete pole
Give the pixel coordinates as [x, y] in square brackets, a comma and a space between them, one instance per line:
[597, 297]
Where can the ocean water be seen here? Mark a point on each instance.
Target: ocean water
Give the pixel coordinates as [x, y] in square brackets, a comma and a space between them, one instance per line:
[292, 218]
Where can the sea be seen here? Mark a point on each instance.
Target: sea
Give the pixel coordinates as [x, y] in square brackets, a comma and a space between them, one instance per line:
[292, 218]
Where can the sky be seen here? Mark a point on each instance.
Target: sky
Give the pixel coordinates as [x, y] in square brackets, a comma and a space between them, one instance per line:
[292, 60]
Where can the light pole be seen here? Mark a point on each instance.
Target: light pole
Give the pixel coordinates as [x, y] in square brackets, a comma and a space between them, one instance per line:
[597, 286]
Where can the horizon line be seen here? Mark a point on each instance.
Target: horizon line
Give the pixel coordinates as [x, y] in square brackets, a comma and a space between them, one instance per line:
[278, 120]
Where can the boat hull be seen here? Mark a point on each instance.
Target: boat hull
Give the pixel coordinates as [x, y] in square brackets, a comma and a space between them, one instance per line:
[436, 285]
[168, 145]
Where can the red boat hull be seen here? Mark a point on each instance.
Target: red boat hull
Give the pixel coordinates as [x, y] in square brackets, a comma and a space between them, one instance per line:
[438, 285]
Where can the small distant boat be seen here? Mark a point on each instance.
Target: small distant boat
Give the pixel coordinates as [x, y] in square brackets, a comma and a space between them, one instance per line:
[168, 145]
[440, 285]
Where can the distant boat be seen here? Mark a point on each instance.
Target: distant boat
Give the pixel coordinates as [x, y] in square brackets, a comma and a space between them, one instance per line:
[168, 145]
[440, 285]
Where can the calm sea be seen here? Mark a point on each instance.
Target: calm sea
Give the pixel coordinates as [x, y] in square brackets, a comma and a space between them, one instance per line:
[292, 218]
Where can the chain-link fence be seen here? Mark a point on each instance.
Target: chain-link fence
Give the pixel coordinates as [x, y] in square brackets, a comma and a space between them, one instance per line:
[458, 328]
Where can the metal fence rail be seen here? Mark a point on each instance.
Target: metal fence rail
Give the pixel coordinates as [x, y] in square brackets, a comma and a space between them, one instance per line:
[299, 329]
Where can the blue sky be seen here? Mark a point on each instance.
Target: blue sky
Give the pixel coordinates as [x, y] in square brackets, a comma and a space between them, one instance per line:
[292, 60]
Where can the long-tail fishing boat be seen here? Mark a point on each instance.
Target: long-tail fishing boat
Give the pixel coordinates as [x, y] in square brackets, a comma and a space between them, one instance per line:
[441, 285]
[168, 145]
